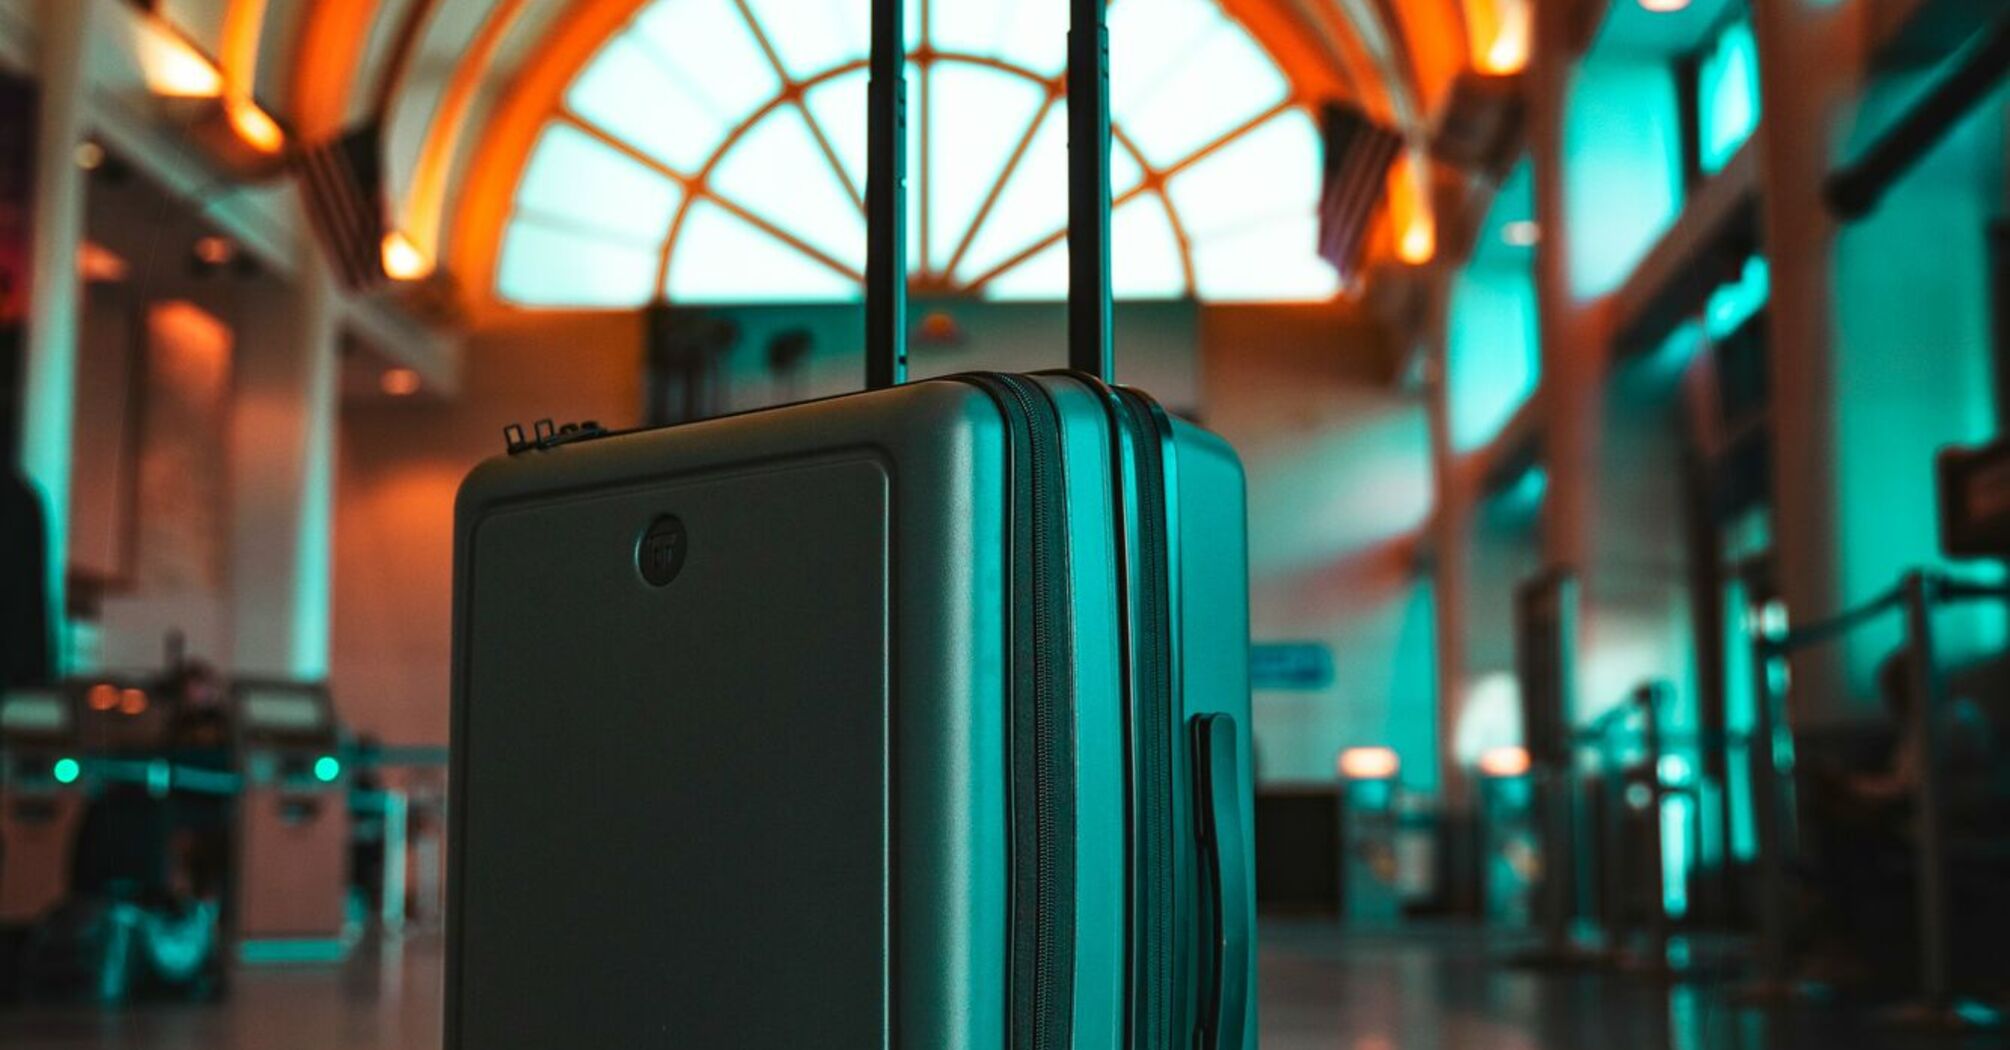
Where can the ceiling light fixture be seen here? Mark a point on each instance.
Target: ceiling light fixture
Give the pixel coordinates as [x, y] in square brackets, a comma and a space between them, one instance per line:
[399, 382]
[1521, 233]
[214, 251]
[172, 66]
[1369, 763]
[253, 126]
[403, 261]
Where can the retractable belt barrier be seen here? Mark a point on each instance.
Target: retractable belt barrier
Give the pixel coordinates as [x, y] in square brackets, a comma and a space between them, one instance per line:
[1916, 595]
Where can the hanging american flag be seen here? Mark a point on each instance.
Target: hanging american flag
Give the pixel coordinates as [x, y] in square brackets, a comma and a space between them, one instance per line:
[1358, 154]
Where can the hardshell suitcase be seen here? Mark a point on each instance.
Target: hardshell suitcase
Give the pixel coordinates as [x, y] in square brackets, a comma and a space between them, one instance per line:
[912, 718]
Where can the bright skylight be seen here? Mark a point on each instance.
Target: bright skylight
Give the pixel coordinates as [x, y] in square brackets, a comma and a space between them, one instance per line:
[714, 151]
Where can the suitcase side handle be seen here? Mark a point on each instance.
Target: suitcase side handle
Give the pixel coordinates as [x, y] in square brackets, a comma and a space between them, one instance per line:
[1224, 863]
[886, 199]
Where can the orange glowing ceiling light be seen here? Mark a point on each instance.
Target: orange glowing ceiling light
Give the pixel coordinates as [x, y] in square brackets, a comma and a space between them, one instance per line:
[1663, 7]
[1500, 35]
[1369, 763]
[1416, 229]
[254, 127]
[173, 67]
[237, 64]
[1504, 762]
[399, 382]
[103, 696]
[98, 264]
[403, 261]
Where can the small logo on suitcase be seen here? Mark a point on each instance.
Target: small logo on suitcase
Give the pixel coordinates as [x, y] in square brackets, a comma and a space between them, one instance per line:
[660, 555]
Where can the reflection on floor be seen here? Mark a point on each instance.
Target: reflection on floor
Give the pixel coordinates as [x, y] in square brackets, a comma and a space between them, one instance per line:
[1409, 991]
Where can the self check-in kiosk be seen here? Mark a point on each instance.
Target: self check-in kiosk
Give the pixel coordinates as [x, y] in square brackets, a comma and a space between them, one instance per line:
[42, 797]
[292, 825]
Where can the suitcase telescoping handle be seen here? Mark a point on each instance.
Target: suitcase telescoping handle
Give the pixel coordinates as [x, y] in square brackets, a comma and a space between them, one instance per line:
[1089, 340]
[1224, 863]
[886, 199]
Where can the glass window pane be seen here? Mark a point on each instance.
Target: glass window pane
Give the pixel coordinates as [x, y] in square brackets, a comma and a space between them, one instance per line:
[1042, 278]
[1031, 34]
[971, 26]
[1151, 43]
[674, 127]
[707, 45]
[545, 265]
[1273, 170]
[574, 177]
[1144, 255]
[1033, 204]
[976, 117]
[718, 258]
[1144, 260]
[1270, 262]
[1124, 170]
[1224, 82]
[1729, 84]
[812, 36]
[778, 172]
[838, 105]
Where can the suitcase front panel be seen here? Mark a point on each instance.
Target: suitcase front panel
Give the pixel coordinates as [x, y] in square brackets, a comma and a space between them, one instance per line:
[708, 864]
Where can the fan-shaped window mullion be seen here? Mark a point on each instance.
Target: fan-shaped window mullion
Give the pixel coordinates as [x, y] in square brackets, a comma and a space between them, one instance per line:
[1005, 173]
[960, 236]
[792, 91]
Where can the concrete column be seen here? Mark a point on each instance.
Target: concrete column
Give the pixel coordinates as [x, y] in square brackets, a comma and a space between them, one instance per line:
[1451, 540]
[283, 476]
[49, 374]
[1451, 547]
[1811, 64]
[1573, 352]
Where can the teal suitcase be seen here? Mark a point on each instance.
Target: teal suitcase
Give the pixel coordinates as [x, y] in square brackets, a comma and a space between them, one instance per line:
[911, 718]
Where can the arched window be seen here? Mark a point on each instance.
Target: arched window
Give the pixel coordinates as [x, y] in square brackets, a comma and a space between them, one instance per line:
[714, 151]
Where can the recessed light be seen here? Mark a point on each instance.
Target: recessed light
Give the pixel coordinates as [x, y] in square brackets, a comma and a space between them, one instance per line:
[1521, 233]
[214, 250]
[1664, 7]
[399, 382]
[402, 258]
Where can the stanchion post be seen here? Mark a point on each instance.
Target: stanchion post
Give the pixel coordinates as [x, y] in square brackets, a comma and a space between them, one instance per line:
[1650, 698]
[1927, 688]
[1553, 799]
[1768, 822]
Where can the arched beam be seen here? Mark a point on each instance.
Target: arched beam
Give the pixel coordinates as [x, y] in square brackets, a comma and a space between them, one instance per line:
[326, 57]
[507, 138]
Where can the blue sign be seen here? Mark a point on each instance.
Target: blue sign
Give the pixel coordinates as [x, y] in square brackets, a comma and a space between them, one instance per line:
[1290, 665]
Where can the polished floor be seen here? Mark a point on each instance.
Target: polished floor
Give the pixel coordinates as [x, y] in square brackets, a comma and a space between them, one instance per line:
[1409, 991]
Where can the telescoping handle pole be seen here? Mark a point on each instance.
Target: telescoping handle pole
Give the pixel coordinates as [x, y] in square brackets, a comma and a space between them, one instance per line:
[886, 200]
[1089, 343]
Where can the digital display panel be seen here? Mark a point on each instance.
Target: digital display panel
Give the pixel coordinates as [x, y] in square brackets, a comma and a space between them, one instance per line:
[283, 711]
[34, 712]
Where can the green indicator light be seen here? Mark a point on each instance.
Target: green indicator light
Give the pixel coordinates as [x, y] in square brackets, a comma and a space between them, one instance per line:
[327, 768]
[67, 770]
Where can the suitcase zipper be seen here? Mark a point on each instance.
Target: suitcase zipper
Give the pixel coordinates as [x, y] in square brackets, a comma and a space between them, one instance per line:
[1155, 717]
[1048, 1025]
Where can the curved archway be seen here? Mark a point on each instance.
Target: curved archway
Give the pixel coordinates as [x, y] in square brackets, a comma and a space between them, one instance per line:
[725, 143]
